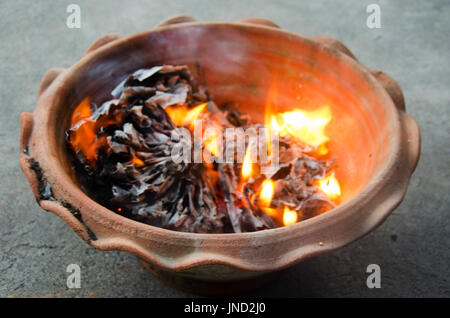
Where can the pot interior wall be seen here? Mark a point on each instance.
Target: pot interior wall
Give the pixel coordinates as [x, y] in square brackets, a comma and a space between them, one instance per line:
[249, 67]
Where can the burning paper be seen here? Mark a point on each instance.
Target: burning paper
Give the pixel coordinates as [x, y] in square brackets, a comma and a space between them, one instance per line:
[124, 155]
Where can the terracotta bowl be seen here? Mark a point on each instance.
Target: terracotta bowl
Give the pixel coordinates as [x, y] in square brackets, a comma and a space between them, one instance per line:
[248, 63]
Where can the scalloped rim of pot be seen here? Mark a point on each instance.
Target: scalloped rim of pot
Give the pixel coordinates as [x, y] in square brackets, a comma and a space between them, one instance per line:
[180, 251]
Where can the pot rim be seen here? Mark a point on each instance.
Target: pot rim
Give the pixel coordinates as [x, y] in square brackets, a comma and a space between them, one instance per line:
[361, 199]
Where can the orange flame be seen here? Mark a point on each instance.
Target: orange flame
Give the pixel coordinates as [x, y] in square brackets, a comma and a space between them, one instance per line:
[183, 115]
[289, 216]
[330, 186]
[136, 161]
[83, 136]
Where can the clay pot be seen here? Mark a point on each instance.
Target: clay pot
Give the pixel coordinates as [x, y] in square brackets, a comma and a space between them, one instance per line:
[376, 143]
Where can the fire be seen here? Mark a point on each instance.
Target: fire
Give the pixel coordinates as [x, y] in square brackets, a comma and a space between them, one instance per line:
[83, 136]
[183, 115]
[289, 216]
[247, 165]
[267, 191]
[136, 161]
[307, 126]
[265, 198]
[211, 143]
[330, 186]
[84, 129]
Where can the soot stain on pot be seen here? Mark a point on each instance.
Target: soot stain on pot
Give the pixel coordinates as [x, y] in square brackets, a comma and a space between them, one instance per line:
[77, 214]
[44, 188]
[46, 193]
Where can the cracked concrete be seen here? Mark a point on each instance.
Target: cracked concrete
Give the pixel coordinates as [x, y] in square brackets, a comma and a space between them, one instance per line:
[412, 246]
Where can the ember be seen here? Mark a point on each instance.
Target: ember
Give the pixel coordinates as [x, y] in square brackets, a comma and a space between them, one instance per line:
[124, 157]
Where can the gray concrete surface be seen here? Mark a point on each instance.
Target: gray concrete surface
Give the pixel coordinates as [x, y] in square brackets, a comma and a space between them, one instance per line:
[412, 246]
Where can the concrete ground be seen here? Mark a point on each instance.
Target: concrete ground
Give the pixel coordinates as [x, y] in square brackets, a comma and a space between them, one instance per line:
[411, 247]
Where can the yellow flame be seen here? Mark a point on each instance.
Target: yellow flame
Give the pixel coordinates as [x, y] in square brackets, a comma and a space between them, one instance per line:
[271, 212]
[267, 190]
[330, 186]
[289, 216]
[307, 126]
[211, 143]
[183, 115]
[247, 165]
